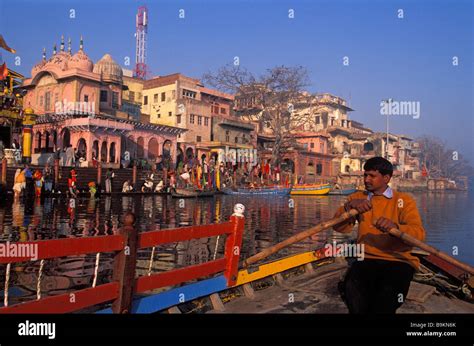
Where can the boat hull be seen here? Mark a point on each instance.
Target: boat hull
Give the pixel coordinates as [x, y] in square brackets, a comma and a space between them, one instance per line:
[315, 190]
[259, 192]
[186, 193]
[342, 192]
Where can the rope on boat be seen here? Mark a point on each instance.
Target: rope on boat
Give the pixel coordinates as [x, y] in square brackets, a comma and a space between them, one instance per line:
[96, 269]
[441, 281]
[7, 281]
[151, 260]
[215, 249]
[38, 284]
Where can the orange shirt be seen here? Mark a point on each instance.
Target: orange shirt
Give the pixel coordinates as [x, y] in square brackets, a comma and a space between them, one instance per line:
[400, 209]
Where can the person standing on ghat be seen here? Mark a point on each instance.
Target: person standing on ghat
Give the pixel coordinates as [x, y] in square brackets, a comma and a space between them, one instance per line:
[109, 177]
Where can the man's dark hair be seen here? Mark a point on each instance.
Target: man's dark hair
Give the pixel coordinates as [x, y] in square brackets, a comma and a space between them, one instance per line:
[379, 164]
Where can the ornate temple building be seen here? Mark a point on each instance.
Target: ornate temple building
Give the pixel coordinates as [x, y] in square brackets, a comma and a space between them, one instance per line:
[80, 104]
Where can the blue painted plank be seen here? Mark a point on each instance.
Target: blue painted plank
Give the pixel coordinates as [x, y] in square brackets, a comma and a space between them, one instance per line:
[172, 297]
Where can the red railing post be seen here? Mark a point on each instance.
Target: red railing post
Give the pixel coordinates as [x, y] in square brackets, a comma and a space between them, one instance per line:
[124, 266]
[233, 245]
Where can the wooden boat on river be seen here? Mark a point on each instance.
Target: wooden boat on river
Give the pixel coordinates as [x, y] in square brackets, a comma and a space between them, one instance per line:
[218, 285]
[259, 191]
[343, 190]
[191, 193]
[311, 189]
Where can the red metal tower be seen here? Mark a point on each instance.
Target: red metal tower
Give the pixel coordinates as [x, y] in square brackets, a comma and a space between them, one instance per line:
[141, 69]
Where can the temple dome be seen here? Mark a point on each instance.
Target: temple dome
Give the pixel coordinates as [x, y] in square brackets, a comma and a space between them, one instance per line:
[60, 60]
[81, 61]
[108, 69]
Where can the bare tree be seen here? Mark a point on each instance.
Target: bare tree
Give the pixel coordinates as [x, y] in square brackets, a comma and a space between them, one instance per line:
[442, 161]
[269, 99]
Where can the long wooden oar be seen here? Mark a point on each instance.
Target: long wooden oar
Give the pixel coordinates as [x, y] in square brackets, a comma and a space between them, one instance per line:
[408, 239]
[300, 236]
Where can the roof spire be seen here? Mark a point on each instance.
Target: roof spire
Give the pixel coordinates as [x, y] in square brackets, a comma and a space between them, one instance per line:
[62, 43]
[69, 45]
[54, 49]
[44, 54]
[81, 44]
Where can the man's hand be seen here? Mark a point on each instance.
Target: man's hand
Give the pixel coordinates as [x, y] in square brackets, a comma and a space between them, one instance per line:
[385, 224]
[361, 205]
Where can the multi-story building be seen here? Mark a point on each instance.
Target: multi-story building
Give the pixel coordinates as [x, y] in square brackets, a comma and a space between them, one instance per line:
[206, 114]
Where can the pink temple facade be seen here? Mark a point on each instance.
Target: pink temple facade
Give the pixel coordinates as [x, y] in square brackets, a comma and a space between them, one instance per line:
[79, 103]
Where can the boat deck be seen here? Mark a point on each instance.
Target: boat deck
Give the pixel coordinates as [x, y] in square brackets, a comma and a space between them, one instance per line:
[316, 291]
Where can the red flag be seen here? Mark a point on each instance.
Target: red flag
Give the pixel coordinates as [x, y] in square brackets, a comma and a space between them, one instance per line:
[3, 71]
[4, 45]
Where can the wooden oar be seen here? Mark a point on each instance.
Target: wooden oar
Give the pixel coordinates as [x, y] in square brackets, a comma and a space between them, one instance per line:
[408, 239]
[300, 236]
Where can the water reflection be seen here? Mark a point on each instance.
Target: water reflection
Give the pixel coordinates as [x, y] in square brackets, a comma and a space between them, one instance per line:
[447, 217]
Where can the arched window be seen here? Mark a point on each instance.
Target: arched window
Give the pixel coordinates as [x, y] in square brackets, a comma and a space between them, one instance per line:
[153, 148]
[112, 153]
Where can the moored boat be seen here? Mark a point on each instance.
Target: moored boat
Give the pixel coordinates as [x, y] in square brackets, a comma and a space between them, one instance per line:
[273, 190]
[311, 189]
[190, 193]
[343, 190]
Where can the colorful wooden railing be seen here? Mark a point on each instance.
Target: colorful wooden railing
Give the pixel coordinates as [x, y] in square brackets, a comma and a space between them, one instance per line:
[125, 246]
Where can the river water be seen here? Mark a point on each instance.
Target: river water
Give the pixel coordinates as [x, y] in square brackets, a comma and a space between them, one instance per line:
[448, 219]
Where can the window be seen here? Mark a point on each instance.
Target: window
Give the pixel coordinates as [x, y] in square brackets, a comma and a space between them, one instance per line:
[236, 139]
[47, 101]
[312, 145]
[206, 121]
[227, 136]
[103, 96]
[155, 98]
[322, 147]
[170, 114]
[158, 115]
[163, 96]
[131, 96]
[198, 138]
[178, 118]
[115, 100]
[318, 119]
[223, 110]
[319, 168]
[191, 118]
[189, 94]
[41, 100]
[199, 120]
[86, 98]
[145, 100]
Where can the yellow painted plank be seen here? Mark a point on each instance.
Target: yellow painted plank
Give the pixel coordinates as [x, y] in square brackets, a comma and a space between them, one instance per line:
[272, 268]
[310, 192]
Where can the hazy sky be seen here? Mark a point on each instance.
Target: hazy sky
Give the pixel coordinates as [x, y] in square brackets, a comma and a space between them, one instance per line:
[406, 59]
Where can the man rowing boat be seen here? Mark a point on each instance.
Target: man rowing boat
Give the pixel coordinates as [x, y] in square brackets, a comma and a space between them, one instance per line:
[380, 283]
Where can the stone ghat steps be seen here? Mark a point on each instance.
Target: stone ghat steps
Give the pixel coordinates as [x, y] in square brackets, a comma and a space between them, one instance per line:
[86, 175]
